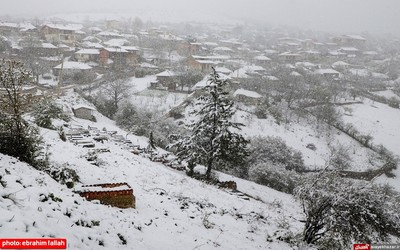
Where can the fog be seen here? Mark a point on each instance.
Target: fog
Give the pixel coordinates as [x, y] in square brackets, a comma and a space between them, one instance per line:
[374, 16]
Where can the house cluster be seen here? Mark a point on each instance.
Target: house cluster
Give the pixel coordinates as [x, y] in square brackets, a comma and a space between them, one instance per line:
[273, 56]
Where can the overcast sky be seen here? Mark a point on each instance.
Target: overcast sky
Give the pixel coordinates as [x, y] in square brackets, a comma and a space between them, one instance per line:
[375, 16]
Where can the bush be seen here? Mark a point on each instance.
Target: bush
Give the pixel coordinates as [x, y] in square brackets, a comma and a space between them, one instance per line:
[347, 211]
[275, 177]
[274, 151]
[44, 112]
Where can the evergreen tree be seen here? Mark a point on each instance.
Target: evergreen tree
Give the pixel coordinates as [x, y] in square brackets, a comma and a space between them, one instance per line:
[151, 141]
[213, 140]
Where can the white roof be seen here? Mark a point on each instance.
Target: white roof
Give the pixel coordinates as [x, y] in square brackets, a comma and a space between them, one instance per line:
[222, 49]
[116, 42]
[73, 65]
[48, 46]
[92, 45]
[349, 49]
[148, 65]
[88, 51]
[326, 71]
[166, 73]
[272, 78]
[223, 70]
[356, 37]
[262, 58]
[116, 50]
[340, 63]
[294, 73]
[108, 33]
[78, 106]
[247, 93]
[70, 27]
[129, 48]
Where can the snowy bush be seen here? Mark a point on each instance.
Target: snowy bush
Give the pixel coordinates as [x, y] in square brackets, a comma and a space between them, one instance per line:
[44, 112]
[341, 211]
[274, 176]
[274, 151]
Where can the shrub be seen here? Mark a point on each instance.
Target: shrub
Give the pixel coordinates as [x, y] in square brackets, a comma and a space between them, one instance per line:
[44, 112]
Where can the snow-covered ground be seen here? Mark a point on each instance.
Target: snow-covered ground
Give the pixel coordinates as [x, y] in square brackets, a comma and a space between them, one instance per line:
[172, 211]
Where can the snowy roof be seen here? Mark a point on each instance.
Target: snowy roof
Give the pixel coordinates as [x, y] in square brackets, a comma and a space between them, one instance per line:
[262, 58]
[336, 53]
[212, 58]
[80, 106]
[116, 50]
[340, 63]
[222, 49]
[88, 51]
[326, 71]
[116, 42]
[223, 70]
[148, 65]
[305, 64]
[294, 73]
[21, 26]
[380, 75]
[349, 49]
[99, 188]
[73, 65]
[247, 93]
[244, 71]
[355, 37]
[211, 44]
[166, 73]
[270, 51]
[48, 46]
[108, 33]
[70, 27]
[92, 45]
[129, 48]
[272, 78]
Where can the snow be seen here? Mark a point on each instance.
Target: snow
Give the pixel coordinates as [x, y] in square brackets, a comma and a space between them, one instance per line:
[182, 212]
[388, 94]
[326, 71]
[167, 73]
[140, 84]
[48, 46]
[88, 51]
[262, 58]
[247, 93]
[73, 65]
[69, 27]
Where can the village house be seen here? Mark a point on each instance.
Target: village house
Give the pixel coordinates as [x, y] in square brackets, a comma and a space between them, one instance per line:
[120, 57]
[83, 112]
[328, 73]
[87, 55]
[59, 33]
[167, 80]
[70, 68]
[247, 96]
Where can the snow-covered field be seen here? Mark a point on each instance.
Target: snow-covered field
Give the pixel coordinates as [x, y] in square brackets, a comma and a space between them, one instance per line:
[172, 211]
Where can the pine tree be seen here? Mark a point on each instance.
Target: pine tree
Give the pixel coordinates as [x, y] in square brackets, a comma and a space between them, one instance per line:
[214, 140]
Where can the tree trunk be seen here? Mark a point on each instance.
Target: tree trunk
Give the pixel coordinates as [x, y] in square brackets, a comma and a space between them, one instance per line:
[209, 167]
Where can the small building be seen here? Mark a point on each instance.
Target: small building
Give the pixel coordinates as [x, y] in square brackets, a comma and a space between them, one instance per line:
[328, 73]
[87, 55]
[114, 194]
[165, 80]
[247, 96]
[83, 112]
[69, 68]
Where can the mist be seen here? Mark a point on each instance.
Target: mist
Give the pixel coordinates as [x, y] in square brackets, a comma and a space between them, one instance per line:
[355, 16]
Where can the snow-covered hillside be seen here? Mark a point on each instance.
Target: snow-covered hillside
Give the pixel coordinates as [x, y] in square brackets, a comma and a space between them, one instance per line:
[172, 211]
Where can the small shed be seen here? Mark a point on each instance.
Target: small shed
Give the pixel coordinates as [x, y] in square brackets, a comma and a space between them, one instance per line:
[84, 112]
[114, 194]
